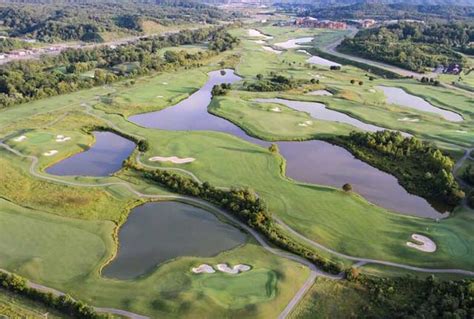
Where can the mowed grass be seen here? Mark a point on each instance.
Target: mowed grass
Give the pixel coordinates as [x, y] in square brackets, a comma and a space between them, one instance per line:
[67, 254]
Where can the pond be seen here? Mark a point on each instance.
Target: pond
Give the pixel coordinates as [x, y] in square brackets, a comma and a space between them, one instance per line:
[320, 112]
[400, 97]
[315, 162]
[160, 231]
[103, 158]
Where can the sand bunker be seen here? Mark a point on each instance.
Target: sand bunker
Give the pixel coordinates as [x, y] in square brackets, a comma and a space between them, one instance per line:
[305, 123]
[270, 49]
[172, 159]
[165, 83]
[256, 33]
[259, 41]
[276, 109]
[234, 270]
[159, 96]
[293, 43]
[50, 153]
[423, 243]
[62, 138]
[372, 91]
[461, 131]
[320, 93]
[407, 119]
[20, 138]
[204, 268]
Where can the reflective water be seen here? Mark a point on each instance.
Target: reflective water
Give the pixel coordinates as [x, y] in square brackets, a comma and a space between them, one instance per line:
[103, 158]
[160, 231]
[315, 162]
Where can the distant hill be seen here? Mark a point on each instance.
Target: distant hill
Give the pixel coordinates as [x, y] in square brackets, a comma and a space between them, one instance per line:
[328, 3]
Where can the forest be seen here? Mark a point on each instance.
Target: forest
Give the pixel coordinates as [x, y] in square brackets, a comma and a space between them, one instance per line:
[410, 297]
[418, 165]
[89, 21]
[23, 81]
[411, 45]
[383, 11]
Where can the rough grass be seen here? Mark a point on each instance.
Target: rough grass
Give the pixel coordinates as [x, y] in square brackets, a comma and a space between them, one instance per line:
[67, 254]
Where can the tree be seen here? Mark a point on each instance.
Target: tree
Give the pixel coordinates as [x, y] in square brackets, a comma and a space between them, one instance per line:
[274, 148]
[353, 81]
[259, 77]
[347, 187]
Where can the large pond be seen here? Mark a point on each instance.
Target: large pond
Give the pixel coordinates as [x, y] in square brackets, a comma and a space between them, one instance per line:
[400, 97]
[315, 162]
[160, 231]
[103, 158]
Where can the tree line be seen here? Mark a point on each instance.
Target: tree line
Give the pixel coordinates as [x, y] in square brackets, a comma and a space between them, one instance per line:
[244, 204]
[274, 82]
[23, 81]
[64, 303]
[411, 45]
[419, 166]
[411, 297]
[87, 21]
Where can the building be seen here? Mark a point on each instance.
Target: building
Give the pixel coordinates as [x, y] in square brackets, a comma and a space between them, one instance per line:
[310, 22]
[367, 23]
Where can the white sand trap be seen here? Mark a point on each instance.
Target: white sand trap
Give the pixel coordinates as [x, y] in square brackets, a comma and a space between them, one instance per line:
[172, 159]
[320, 93]
[423, 243]
[461, 131]
[234, 270]
[259, 42]
[270, 49]
[407, 119]
[64, 139]
[20, 138]
[372, 91]
[165, 83]
[256, 33]
[50, 153]
[320, 61]
[276, 109]
[293, 43]
[303, 51]
[159, 96]
[204, 268]
[305, 123]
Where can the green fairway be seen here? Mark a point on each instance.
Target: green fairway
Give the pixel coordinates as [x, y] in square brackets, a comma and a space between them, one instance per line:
[62, 235]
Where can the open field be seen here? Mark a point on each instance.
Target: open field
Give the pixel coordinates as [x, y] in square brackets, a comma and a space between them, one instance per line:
[61, 235]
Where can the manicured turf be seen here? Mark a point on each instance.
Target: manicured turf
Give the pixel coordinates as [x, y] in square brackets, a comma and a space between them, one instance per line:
[68, 253]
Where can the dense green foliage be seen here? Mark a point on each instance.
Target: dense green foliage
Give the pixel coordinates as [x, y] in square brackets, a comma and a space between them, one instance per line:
[220, 89]
[245, 205]
[468, 174]
[30, 80]
[419, 166]
[414, 46]
[63, 303]
[9, 44]
[470, 199]
[86, 21]
[273, 83]
[409, 297]
[380, 11]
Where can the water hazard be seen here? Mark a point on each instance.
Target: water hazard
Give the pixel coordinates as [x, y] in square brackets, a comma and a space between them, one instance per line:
[160, 231]
[315, 162]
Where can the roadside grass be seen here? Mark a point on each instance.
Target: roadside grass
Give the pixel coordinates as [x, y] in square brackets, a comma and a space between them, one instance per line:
[15, 306]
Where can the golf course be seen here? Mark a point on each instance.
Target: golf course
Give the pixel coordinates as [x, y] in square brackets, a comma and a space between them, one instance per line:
[80, 214]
